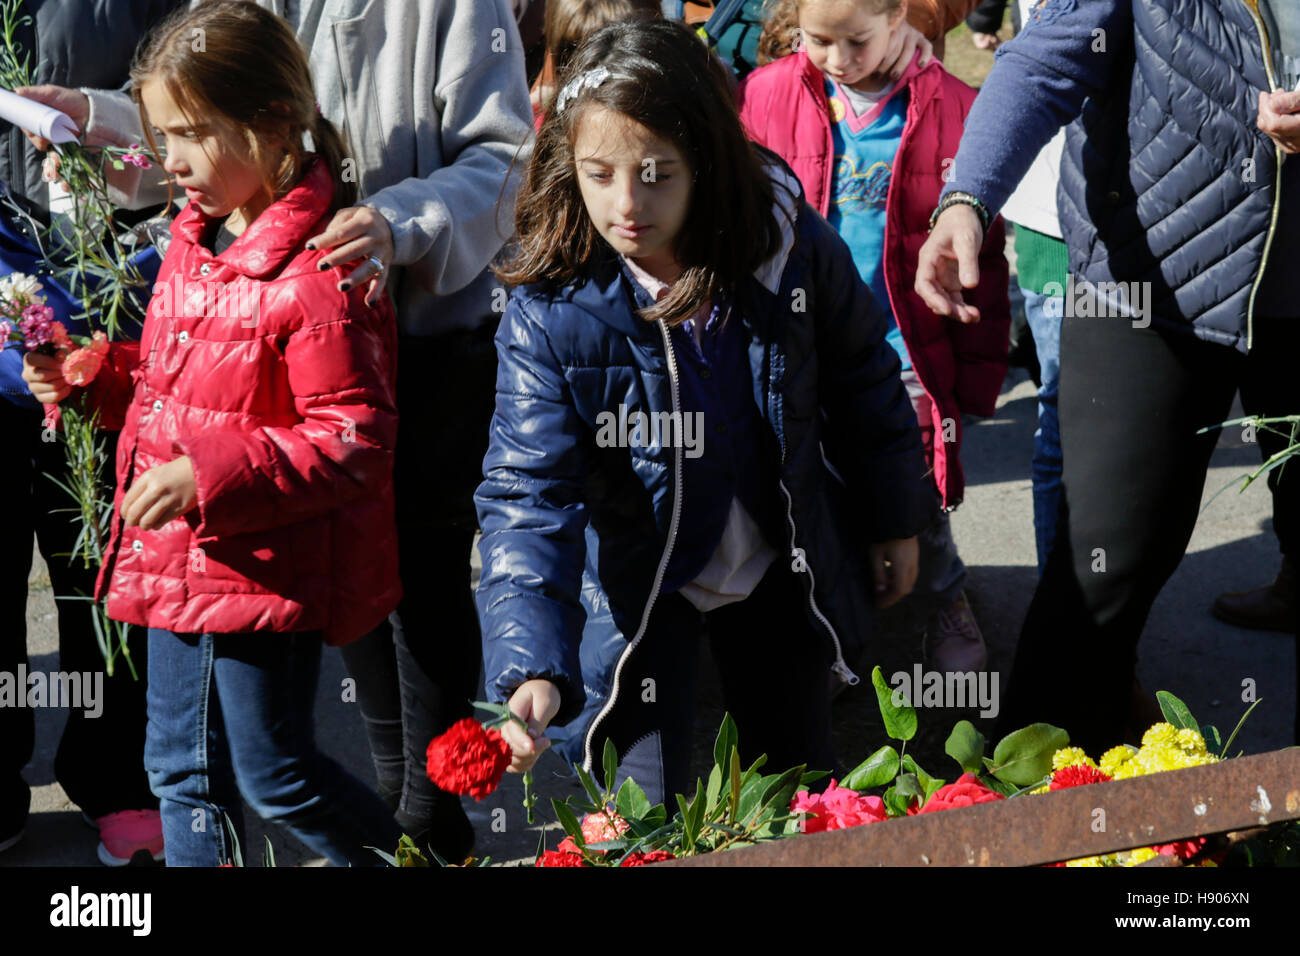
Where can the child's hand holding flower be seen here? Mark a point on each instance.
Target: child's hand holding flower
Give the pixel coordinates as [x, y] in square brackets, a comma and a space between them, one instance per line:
[161, 495]
[44, 377]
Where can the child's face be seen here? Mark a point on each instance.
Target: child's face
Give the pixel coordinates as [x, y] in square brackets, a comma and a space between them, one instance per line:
[211, 162]
[636, 187]
[846, 42]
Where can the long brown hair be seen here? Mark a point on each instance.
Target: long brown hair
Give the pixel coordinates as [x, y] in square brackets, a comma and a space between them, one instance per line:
[235, 62]
[665, 79]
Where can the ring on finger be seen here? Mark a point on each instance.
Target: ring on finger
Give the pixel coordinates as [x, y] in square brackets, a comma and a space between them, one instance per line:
[377, 262]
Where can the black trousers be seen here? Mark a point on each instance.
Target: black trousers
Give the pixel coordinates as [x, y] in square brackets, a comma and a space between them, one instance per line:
[417, 673]
[100, 760]
[774, 668]
[1131, 403]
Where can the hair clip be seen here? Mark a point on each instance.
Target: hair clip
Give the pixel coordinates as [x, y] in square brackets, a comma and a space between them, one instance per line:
[587, 81]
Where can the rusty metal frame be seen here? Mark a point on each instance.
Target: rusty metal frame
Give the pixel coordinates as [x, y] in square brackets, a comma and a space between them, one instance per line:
[1032, 830]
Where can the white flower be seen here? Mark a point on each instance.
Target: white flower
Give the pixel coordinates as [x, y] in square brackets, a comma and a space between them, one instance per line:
[19, 288]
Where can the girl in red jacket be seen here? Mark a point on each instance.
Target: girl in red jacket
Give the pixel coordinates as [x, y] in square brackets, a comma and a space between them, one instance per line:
[254, 512]
[871, 150]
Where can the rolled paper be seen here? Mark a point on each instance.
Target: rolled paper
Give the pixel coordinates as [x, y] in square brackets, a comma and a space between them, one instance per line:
[37, 118]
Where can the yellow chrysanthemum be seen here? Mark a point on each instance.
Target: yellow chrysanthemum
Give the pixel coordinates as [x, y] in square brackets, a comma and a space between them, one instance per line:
[1115, 758]
[1071, 757]
[1157, 734]
[1140, 855]
[1106, 859]
[1190, 741]
[1043, 789]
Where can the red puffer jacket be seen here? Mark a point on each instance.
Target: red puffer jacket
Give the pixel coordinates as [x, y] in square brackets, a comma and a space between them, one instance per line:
[783, 106]
[280, 389]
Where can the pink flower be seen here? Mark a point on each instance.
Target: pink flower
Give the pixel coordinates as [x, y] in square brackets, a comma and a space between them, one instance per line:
[601, 827]
[98, 343]
[135, 156]
[81, 366]
[837, 809]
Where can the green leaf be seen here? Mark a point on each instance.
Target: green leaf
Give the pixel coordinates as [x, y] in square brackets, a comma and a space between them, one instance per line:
[726, 742]
[908, 786]
[268, 854]
[656, 816]
[1025, 755]
[593, 791]
[1212, 742]
[611, 765]
[714, 788]
[568, 821]
[895, 805]
[1176, 711]
[876, 771]
[776, 798]
[1236, 730]
[631, 802]
[501, 710]
[812, 776]
[966, 746]
[930, 785]
[900, 720]
[736, 776]
[909, 765]
[408, 854]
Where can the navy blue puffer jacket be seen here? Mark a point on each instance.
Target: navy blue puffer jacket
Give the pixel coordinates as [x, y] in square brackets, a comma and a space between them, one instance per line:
[576, 537]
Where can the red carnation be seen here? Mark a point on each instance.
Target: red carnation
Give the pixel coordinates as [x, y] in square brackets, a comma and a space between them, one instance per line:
[966, 791]
[468, 759]
[645, 859]
[1079, 775]
[560, 858]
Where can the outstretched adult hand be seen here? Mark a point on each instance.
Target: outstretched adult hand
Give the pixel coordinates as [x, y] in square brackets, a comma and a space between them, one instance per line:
[949, 262]
[1279, 118]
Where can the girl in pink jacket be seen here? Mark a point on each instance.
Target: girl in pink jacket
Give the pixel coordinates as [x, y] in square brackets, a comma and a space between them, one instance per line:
[872, 152]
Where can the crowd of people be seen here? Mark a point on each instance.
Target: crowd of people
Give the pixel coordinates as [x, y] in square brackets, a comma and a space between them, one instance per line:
[686, 332]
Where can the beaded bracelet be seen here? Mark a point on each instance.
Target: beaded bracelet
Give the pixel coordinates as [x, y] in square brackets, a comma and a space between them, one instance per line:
[966, 199]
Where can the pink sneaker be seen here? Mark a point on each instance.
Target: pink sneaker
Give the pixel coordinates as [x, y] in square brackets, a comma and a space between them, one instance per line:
[126, 833]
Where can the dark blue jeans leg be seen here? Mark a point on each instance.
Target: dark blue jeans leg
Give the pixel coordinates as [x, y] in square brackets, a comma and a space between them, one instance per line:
[266, 686]
[185, 753]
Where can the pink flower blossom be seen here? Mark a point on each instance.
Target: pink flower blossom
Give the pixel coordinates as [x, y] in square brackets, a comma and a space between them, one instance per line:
[81, 366]
[837, 809]
[601, 827]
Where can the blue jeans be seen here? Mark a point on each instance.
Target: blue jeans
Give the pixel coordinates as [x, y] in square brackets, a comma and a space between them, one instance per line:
[1044, 316]
[231, 714]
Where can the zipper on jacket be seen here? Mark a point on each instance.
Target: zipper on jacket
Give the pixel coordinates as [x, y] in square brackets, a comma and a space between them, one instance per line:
[839, 667]
[663, 562]
[1253, 7]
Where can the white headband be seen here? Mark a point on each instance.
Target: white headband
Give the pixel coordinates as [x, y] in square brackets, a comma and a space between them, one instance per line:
[587, 81]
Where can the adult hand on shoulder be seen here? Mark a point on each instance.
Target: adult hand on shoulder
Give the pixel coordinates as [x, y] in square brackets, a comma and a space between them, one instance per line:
[949, 262]
[536, 702]
[1279, 119]
[893, 569]
[44, 377]
[902, 44]
[161, 495]
[986, 41]
[358, 232]
[74, 103]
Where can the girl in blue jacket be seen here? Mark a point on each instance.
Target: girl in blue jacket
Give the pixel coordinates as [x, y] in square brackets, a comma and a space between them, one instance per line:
[700, 428]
